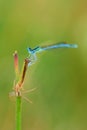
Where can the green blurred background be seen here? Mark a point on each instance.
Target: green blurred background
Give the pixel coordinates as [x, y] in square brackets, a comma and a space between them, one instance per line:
[60, 101]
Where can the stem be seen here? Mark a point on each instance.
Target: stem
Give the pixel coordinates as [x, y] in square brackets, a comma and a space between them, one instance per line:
[18, 112]
[18, 87]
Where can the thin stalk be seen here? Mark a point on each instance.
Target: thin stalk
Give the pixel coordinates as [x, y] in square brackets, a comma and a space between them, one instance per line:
[18, 112]
[18, 87]
[18, 97]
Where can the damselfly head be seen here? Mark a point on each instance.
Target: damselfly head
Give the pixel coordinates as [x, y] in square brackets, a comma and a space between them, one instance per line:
[29, 50]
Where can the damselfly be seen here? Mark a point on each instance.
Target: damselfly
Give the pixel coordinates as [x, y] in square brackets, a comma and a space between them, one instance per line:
[39, 49]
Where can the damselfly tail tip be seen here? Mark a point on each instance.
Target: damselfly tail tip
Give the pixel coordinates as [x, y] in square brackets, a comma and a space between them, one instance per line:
[75, 46]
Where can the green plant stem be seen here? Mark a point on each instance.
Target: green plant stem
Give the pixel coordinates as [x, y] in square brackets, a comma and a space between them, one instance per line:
[18, 112]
